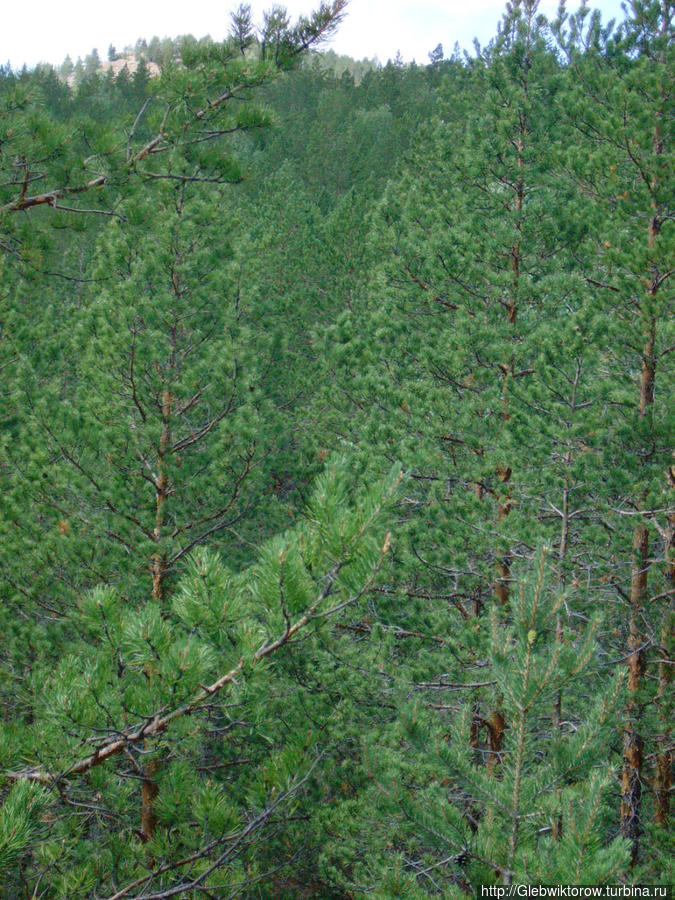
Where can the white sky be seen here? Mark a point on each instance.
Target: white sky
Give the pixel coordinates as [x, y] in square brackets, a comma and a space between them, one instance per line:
[47, 30]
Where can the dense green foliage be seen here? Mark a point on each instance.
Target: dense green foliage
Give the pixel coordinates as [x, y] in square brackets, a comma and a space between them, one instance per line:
[337, 519]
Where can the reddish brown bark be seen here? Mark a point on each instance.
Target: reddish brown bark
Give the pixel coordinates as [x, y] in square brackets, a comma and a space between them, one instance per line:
[474, 735]
[631, 790]
[664, 697]
[638, 596]
[158, 569]
[631, 780]
[630, 821]
[496, 726]
[632, 776]
[664, 754]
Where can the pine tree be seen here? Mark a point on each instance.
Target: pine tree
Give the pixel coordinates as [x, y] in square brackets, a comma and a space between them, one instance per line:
[200, 683]
[212, 77]
[626, 165]
[466, 266]
[534, 811]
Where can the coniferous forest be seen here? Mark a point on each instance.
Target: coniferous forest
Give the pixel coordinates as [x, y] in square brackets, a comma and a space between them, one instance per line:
[337, 486]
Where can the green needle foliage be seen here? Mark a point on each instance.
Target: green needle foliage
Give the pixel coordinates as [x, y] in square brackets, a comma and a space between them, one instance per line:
[151, 707]
[245, 285]
[532, 810]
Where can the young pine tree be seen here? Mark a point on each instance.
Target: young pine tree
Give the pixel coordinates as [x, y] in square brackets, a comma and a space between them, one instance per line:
[536, 810]
[172, 738]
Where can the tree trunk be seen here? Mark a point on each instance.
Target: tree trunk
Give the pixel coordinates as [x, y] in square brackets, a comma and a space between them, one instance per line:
[664, 756]
[503, 581]
[158, 563]
[503, 566]
[496, 726]
[631, 781]
[158, 571]
[664, 696]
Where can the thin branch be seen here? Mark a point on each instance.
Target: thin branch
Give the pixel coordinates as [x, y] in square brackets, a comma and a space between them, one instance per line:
[252, 826]
[96, 212]
[133, 127]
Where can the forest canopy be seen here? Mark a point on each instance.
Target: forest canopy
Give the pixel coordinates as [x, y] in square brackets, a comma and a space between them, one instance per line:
[337, 474]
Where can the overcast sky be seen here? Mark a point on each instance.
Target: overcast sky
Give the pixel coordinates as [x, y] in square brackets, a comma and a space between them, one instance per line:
[47, 30]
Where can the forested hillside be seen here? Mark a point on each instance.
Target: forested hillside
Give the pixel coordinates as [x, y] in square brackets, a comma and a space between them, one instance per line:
[337, 474]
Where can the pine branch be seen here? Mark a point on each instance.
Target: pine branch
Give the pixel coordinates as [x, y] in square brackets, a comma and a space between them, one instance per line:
[156, 725]
[236, 840]
[50, 198]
